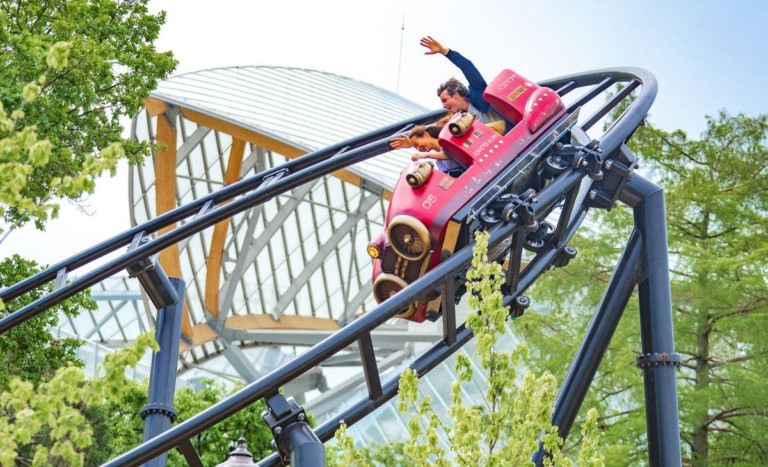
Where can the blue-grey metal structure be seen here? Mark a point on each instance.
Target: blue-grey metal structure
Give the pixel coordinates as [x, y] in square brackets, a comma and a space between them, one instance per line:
[159, 413]
[592, 180]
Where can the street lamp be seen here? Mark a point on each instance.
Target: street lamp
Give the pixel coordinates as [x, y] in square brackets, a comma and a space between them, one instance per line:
[238, 456]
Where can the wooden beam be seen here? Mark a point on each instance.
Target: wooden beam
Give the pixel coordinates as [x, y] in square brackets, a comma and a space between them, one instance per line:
[241, 133]
[203, 333]
[154, 106]
[199, 334]
[347, 176]
[213, 263]
[165, 170]
[286, 322]
[165, 200]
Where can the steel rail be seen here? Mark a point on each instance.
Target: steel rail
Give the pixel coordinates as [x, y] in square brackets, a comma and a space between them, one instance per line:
[266, 190]
[193, 208]
[270, 183]
[346, 336]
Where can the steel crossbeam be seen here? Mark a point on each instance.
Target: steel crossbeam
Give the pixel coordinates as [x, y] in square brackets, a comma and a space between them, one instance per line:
[644, 263]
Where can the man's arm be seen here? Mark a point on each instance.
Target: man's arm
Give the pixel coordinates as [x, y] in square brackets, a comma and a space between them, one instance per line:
[476, 81]
[470, 71]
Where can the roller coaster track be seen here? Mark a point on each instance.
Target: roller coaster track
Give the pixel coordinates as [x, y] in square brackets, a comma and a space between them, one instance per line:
[579, 188]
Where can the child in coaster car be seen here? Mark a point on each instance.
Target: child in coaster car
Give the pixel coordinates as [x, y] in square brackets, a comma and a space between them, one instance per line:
[425, 139]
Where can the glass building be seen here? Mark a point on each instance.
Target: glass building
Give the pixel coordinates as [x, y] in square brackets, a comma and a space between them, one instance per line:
[268, 283]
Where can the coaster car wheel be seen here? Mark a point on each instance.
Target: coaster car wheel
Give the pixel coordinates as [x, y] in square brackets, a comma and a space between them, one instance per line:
[535, 240]
[555, 165]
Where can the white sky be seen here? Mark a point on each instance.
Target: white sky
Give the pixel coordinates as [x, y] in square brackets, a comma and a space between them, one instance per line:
[706, 55]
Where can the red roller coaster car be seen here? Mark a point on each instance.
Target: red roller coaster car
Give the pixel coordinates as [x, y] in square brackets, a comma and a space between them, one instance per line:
[430, 212]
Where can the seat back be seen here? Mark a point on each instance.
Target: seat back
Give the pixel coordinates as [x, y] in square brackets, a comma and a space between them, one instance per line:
[508, 94]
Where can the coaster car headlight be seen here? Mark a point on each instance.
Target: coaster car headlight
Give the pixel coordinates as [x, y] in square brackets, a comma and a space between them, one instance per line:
[459, 125]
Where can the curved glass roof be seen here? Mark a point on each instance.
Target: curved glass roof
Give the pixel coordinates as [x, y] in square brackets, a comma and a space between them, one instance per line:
[290, 272]
[306, 109]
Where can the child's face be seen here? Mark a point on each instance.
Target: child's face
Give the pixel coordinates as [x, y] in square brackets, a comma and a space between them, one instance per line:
[422, 143]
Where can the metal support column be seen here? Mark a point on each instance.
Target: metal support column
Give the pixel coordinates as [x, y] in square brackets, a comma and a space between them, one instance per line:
[596, 340]
[295, 441]
[159, 413]
[659, 361]
[305, 447]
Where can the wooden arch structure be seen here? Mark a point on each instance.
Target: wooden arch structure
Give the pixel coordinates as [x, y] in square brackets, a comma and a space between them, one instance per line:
[183, 126]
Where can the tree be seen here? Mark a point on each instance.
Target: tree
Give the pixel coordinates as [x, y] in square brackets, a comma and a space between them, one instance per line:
[29, 351]
[213, 445]
[102, 64]
[50, 412]
[66, 419]
[47, 421]
[503, 429]
[717, 189]
[31, 358]
[717, 200]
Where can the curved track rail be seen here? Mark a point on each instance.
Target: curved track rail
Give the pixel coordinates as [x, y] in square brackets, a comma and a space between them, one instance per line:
[573, 193]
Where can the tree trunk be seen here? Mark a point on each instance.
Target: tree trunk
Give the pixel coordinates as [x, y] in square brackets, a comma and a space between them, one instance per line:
[700, 447]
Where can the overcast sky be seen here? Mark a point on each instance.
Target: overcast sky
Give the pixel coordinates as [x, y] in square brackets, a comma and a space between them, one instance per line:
[706, 55]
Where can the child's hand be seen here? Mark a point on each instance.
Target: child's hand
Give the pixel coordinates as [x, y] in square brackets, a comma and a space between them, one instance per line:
[400, 142]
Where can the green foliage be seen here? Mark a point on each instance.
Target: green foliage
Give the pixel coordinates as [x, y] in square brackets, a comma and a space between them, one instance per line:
[345, 453]
[51, 415]
[589, 454]
[125, 426]
[47, 420]
[71, 70]
[716, 190]
[213, 445]
[506, 428]
[29, 351]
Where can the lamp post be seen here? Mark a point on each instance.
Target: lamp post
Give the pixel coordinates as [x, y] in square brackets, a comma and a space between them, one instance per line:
[238, 456]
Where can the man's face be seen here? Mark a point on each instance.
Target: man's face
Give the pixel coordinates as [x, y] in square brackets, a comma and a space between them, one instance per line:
[454, 103]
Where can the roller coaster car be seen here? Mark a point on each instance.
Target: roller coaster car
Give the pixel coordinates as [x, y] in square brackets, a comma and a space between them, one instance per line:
[432, 214]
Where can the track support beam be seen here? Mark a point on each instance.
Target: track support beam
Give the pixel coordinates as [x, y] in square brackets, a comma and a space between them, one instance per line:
[659, 361]
[159, 413]
[596, 340]
[644, 263]
[296, 443]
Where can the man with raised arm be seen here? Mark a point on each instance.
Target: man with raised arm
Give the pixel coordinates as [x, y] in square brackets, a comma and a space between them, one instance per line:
[453, 94]
[455, 98]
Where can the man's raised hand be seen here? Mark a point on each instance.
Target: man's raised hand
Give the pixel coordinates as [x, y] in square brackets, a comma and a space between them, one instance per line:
[433, 46]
